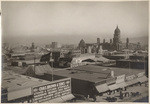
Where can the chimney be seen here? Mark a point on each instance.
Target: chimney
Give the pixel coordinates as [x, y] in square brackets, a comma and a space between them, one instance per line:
[112, 73]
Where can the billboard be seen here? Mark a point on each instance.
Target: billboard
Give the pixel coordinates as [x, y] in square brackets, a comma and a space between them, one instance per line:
[51, 91]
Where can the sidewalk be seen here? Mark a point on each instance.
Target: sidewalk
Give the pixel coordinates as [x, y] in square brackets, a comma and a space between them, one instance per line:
[141, 89]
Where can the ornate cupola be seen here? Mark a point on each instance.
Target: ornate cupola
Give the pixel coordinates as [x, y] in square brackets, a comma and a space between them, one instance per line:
[117, 31]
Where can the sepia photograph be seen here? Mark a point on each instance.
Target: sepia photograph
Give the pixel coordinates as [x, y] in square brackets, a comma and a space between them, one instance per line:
[74, 51]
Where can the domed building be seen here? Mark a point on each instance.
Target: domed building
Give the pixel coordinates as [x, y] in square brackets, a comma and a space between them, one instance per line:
[116, 40]
[82, 46]
[114, 44]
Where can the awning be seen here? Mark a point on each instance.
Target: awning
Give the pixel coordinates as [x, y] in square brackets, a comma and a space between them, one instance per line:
[113, 87]
[56, 100]
[121, 85]
[67, 97]
[129, 83]
[134, 81]
[111, 81]
[102, 88]
[142, 79]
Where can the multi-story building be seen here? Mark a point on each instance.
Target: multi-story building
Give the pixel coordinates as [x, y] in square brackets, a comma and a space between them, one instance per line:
[114, 44]
[54, 45]
[116, 40]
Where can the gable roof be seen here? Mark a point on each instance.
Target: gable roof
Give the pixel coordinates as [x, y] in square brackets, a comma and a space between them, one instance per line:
[39, 70]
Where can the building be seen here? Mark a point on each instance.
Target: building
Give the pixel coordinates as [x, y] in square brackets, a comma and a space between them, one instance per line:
[127, 43]
[94, 47]
[138, 61]
[54, 45]
[68, 46]
[82, 46]
[117, 56]
[32, 47]
[97, 59]
[132, 64]
[91, 80]
[37, 70]
[114, 44]
[18, 88]
[117, 39]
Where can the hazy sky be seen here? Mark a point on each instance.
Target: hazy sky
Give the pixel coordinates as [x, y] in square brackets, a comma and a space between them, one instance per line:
[68, 22]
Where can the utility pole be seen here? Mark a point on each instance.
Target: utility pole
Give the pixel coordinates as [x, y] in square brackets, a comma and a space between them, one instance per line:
[51, 60]
[34, 64]
[127, 55]
[52, 71]
[129, 66]
[144, 65]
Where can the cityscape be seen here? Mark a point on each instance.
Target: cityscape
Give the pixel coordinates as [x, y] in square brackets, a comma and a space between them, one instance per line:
[74, 68]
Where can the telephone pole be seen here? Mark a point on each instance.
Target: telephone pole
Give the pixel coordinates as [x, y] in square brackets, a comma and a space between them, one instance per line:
[51, 60]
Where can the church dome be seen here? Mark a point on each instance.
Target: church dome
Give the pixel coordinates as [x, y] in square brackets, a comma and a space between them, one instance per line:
[82, 43]
[117, 30]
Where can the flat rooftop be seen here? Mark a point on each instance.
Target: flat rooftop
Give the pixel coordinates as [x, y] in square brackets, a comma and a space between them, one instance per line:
[102, 69]
[94, 73]
[123, 54]
[13, 81]
[129, 60]
[16, 69]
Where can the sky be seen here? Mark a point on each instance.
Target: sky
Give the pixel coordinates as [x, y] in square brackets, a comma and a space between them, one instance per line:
[69, 22]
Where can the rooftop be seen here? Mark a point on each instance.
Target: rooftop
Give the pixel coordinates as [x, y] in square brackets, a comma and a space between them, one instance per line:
[13, 81]
[124, 55]
[133, 60]
[94, 73]
[117, 71]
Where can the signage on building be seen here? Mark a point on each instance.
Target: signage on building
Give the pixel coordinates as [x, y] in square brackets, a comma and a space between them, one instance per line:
[141, 74]
[51, 91]
[130, 77]
[120, 78]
